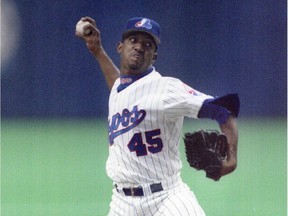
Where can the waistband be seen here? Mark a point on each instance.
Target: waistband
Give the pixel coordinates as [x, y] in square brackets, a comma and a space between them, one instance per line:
[148, 189]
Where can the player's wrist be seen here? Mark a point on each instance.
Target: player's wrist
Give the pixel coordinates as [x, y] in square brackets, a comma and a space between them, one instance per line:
[228, 166]
[99, 52]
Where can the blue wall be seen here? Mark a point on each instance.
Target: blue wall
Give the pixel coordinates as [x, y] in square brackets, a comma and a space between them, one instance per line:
[216, 46]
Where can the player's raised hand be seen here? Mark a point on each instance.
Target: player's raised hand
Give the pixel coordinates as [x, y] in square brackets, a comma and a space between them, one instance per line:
[86, 29]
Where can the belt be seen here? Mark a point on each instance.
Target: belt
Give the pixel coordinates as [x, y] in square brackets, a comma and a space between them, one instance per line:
[138, 191]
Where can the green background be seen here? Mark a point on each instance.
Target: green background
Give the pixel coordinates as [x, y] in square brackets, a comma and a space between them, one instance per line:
[57, 168]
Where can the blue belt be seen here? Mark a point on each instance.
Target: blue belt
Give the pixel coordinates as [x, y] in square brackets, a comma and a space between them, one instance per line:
[138, 191]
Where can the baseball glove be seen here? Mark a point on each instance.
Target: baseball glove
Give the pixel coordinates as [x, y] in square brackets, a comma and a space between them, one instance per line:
[206, 150]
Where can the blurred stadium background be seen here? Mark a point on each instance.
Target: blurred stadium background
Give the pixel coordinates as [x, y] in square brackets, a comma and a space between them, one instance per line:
[54, 100]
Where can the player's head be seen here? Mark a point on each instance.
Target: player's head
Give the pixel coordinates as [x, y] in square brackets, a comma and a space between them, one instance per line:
[138, 48]
[143, 25]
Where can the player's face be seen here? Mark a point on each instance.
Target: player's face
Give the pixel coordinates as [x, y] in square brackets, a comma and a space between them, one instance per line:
[137, 53]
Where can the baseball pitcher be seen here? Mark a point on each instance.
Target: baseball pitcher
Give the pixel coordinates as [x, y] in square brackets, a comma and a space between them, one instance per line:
[146, 112]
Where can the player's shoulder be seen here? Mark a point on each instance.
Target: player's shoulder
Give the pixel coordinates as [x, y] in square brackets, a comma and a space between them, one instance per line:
[167, 83]
[164, 79]
[174, 84]
[172, 81]
[116, 83]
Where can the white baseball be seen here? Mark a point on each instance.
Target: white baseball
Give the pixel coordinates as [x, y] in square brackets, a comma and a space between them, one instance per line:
[80, 28]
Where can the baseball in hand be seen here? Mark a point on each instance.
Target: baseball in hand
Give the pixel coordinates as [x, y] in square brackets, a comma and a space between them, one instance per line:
[80, 29]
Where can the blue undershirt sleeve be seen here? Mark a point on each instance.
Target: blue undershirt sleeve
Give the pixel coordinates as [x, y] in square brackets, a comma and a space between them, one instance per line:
[212, 111]
[220, 108]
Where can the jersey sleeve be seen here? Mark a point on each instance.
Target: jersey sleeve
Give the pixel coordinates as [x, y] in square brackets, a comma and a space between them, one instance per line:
[182, 100]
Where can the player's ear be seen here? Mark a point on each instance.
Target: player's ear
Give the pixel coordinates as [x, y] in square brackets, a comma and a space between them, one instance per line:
[119, 47]
[155, 56]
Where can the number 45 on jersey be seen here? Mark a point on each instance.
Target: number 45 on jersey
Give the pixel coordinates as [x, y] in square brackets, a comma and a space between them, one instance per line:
[153, 143]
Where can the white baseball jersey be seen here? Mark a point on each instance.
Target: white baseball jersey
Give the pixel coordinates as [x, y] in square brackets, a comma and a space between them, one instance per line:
[145, 123]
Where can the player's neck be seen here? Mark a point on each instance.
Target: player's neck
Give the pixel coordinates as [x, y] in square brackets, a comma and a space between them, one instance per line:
[134, 72]
[127, 72]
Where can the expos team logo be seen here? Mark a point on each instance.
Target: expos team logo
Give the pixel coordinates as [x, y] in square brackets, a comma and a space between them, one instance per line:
[127, 120]
[191, 91]
[145, 23]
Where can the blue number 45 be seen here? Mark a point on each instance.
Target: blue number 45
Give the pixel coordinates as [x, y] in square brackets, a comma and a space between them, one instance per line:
[154, 143]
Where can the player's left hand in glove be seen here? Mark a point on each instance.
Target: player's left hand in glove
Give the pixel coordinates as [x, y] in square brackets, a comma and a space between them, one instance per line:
[206, 150]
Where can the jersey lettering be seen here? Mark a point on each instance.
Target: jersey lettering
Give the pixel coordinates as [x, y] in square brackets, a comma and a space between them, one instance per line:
[128, 120]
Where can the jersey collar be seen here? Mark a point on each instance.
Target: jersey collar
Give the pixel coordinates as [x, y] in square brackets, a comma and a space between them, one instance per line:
[126, 80]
